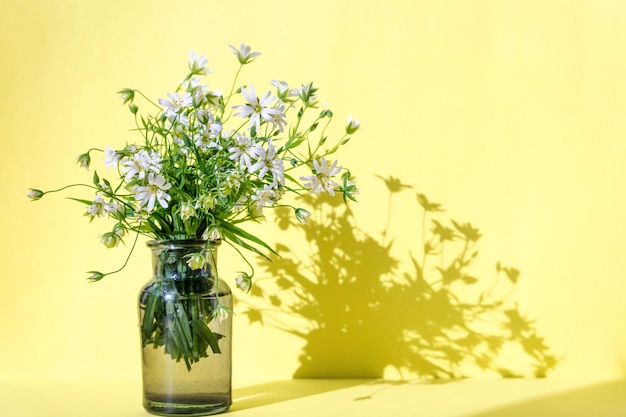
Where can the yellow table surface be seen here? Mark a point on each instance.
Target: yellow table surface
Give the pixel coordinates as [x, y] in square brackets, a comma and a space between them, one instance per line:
[346, 398]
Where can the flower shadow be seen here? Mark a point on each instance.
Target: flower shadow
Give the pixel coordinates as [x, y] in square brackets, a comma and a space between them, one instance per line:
[363, 310]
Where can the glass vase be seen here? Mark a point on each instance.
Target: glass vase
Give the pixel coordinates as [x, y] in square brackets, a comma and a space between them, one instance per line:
[185, 331]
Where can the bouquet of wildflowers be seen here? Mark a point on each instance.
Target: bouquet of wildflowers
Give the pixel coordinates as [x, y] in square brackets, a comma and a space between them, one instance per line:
[208, 162]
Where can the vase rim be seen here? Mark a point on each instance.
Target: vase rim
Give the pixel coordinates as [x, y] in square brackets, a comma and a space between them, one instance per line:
[180, 243]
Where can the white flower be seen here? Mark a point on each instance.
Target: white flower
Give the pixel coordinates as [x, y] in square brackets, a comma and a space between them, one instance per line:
[153, 192]
[282, 89]
[141, 163]
[306, 94]
[268, 162]
[242, 202]
[206, 202]
[96, 209]
[198, 91]
[243, 281]
[256, 108]
[221, 313]
[243, 54]
[187, 211]
[197, 64]
[279, 119]
[111, 157]
[352, 125]
[234, 180]
[212, 234]
[264, 198]
[242, 151]
[112, 207]
[175, 104]
[322, 180]
[206, 141]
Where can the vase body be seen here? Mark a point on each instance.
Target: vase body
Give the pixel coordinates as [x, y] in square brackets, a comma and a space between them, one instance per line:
[185, 342]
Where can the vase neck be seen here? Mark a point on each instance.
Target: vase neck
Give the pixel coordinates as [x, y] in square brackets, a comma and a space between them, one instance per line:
[183, 259]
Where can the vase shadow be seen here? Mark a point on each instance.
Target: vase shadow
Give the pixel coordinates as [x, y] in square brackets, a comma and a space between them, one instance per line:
[278, 391]
[362, 309]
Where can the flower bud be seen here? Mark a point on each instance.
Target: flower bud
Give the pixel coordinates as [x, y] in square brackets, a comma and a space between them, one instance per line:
[95, 276]
[110, 240]
[127, 94]
[34, 194]
[352, 125]
[302, 215]
[213, 234]
[187, 211]
[243, 282]
[196, 260]
[84, 160]
[221, 313]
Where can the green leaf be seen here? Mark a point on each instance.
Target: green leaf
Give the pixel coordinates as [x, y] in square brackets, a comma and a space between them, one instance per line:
[207, 334]
[147, 324]
[80, 200]
[235, 233]
[199, 158]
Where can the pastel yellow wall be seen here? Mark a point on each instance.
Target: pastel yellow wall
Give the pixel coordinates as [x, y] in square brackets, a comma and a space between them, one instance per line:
[509, 113]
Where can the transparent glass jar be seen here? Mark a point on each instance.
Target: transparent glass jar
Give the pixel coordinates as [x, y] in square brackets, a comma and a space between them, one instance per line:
[185, 336]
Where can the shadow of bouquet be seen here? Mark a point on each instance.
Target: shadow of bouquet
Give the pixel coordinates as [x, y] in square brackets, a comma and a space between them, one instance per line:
[362, 311]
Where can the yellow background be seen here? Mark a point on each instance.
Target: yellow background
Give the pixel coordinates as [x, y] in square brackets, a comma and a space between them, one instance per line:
[509, 113]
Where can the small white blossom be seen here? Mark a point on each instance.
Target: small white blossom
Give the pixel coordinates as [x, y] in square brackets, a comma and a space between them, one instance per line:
[176, 102]
[212, 234]
[234, 180]
[242, 151]
[153, 192]
[243, 281]
[244, 54]
[282, 90]
[257, 108]
[111, 157]
[206, 202]
[221, 313]
[322, 178]
[278, 119]
[112, 207]
[306, 94]
[268, 162]
[187, 211]
[198, 64]
[96, 209]
[264, 198]
[141, 163]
